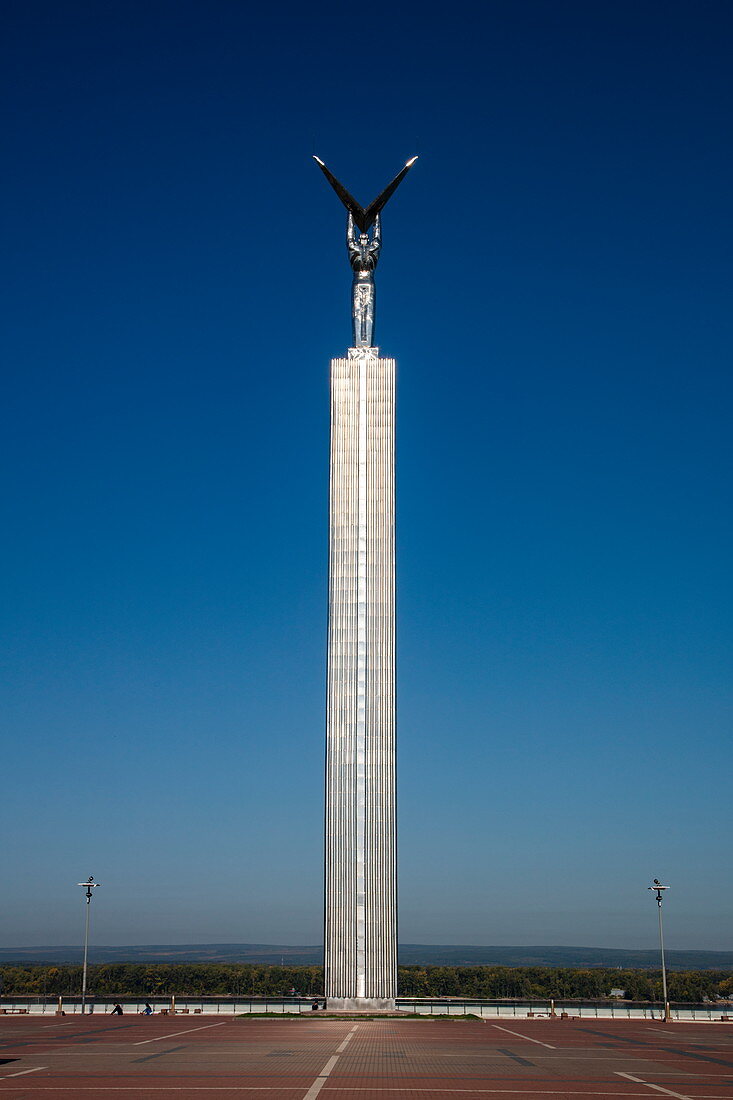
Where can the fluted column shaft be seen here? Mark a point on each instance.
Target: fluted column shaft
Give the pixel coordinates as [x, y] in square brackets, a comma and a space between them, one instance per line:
[361, 918]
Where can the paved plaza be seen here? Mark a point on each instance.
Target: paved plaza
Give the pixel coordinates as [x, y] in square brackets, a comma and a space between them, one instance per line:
[391, 1059]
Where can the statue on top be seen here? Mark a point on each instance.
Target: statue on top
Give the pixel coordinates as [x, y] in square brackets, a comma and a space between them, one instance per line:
[364, 251]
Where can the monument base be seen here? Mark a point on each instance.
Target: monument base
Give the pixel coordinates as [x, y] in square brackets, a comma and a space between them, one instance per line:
[360, 1004]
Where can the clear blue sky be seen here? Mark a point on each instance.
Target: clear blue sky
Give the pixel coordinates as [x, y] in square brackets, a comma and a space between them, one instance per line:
[555, 284]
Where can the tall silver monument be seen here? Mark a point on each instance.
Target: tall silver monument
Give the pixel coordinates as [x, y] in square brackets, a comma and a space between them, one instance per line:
[361, 897]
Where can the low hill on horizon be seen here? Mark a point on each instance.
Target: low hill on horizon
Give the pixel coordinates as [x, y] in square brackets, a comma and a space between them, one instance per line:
[410, 954]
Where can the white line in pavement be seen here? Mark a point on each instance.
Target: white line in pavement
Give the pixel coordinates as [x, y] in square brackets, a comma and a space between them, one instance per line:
[321, 1078]
[538, 1041]
[21, 1072]
[324, 1074]
[658, 1088]
[172, 1034]
[349, 1037]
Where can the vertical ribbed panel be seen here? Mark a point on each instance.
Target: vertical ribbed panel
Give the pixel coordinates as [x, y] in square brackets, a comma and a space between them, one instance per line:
[361, 917]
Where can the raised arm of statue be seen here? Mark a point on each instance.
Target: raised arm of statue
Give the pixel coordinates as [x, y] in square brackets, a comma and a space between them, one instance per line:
[365, 219]
[351, 236]
[376, 241]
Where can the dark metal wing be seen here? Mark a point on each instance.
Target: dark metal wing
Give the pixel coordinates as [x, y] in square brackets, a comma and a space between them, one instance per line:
[348, 200]
[380, 202]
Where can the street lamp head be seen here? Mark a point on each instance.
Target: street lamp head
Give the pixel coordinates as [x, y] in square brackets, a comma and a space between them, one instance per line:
[89, 886]
[657, 891]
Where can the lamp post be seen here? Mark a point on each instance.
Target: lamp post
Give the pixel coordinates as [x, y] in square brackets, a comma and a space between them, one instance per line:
[89, 887]
[658, 888]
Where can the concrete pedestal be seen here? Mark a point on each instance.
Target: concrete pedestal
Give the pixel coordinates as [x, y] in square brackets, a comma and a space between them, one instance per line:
[360, 1004]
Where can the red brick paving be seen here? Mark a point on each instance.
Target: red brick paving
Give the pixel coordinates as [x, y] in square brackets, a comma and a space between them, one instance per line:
[211, 1058]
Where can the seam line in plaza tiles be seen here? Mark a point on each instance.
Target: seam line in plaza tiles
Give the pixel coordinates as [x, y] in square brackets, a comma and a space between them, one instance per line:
[657, 1088]
[172, 1034]
[22, 1072]
[525, 1037]
[327, 1069]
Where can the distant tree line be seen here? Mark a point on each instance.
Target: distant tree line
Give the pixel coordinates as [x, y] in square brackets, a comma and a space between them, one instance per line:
[496, 982]
[246, 980]
[163, 979]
